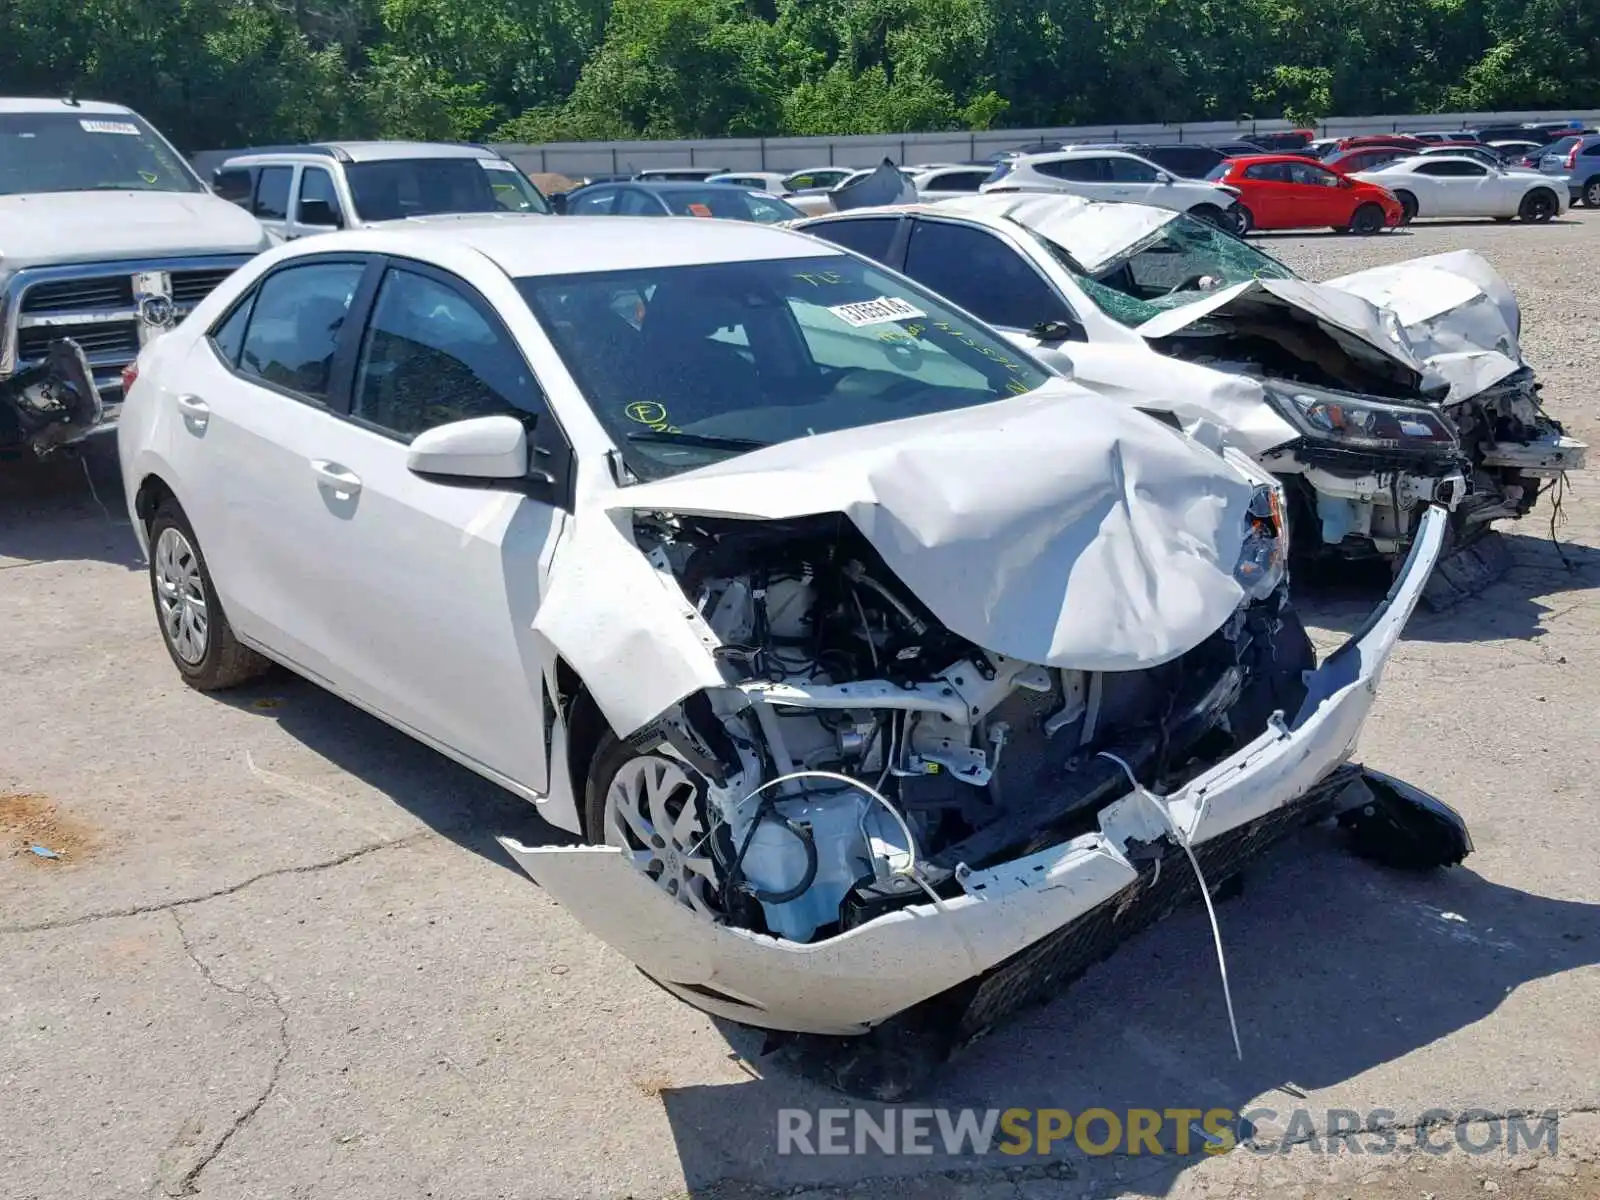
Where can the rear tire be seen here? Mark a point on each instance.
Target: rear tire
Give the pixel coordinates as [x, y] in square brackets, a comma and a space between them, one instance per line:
[1408, 207]
[1591, 193]
[1538, 206]
[1244, 220]
[1367, 220]
[193, 626]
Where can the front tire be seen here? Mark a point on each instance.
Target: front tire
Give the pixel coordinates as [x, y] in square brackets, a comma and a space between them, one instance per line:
[1538, 206]
[653, 809]
[1408, 207]
[194, 628]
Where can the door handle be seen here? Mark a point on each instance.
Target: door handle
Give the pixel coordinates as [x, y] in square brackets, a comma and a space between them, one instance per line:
[196, 412]
[340, 479]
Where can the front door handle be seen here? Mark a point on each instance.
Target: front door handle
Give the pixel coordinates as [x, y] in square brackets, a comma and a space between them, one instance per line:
[196, 412]
[341, 480]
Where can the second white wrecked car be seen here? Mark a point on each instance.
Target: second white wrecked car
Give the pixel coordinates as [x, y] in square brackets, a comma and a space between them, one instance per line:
[889, 677]
[1370, 395]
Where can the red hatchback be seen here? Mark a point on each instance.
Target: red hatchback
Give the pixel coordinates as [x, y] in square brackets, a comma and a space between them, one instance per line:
[1288, 191]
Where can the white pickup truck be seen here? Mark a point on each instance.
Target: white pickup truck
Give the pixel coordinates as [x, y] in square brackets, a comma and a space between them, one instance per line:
[107, 239]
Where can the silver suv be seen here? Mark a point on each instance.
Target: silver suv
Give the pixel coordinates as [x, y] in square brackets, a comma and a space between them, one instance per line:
[1578, 159]
[299, 190]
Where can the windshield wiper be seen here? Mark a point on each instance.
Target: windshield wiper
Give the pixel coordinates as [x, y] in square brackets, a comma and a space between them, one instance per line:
[705, 441]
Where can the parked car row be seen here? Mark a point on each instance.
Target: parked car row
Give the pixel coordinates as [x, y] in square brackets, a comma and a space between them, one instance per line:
[883, 603]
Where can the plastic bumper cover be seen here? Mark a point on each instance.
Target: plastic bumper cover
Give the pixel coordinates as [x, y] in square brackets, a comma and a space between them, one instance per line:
[849, 983]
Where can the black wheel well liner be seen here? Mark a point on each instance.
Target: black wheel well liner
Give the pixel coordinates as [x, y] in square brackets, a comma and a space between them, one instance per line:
[585, 727]
[152, 491]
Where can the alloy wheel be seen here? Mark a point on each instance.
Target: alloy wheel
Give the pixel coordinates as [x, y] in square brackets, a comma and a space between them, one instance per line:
[653, 812]
[181, 597]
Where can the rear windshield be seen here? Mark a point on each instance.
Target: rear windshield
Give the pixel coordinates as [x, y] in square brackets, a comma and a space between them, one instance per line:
[686, 365]
[1562, 146]
[420, 187]
[69, 152]
[720, 200]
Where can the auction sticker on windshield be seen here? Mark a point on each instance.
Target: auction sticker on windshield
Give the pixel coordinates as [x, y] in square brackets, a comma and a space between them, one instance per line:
[876, 312]
[123, 127]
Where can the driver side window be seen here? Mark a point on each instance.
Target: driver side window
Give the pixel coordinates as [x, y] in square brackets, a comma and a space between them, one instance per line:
[983, 275]
[430, 357]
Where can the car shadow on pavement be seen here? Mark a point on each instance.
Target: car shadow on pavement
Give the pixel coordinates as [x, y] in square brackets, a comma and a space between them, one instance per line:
[451, 800]
[1339, 596]
[67, 508]
[1337, 967]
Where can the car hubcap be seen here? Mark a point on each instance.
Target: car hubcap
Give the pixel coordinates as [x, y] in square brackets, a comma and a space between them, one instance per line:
[1593, 195]
[181, 596]
[653, 813]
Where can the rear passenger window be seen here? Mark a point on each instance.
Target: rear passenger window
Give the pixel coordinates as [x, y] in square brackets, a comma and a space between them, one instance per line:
[868, 236]
[1080, 170]
[431, 357]
[295, 323]
[272, 194]
[228, 337]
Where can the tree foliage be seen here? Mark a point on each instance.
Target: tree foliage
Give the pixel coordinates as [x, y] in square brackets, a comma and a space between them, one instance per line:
[216, 73]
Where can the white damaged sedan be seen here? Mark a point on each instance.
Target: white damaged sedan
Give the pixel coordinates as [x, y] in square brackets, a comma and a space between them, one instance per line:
[889, 679]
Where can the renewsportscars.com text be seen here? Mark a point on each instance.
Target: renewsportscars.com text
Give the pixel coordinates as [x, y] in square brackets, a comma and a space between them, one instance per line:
[1151, 1131]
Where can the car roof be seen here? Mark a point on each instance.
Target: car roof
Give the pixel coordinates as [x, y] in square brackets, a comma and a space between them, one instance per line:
[581, 245]
[668, 185]
[1246, 160]
[363, 151]
[55, 104]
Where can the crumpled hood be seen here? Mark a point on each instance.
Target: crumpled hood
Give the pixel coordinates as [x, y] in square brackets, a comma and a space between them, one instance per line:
[1445, 324]
[60, 227]
[1060, 527]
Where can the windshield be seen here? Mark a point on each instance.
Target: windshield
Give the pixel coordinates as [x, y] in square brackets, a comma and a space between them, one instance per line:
[721, 200]
[686, 365]
[393, 189]
[1172, 267]
[66, 152]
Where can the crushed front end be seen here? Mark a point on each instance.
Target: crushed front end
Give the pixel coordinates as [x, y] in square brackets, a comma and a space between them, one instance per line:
[50, 404]
[877, 834]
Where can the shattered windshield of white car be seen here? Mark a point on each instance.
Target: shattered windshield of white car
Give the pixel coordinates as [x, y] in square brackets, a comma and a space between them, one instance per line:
[685, 365]
[1169, 269]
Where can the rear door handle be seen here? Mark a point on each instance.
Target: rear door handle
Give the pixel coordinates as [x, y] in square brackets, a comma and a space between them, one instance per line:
[196, 412]
[340, 479]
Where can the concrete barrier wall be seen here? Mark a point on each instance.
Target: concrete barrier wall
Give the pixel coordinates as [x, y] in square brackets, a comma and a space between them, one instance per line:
[787, 154]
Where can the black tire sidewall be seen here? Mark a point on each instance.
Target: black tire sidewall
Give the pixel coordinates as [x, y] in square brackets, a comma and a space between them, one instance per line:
[1361, 221]
[207, 669]
[1408, 207]
[1591, 193]
[1538, 194]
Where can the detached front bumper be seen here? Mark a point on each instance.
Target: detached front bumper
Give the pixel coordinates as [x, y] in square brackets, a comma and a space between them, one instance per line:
[850, 983]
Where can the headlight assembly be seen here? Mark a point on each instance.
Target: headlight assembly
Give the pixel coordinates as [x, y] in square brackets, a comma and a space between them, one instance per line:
[1264, 557]
[1362, 420]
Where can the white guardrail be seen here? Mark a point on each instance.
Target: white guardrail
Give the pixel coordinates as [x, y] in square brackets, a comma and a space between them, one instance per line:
[578, 159]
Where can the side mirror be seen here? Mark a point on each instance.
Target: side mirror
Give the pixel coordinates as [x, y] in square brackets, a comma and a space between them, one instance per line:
[558, 203]
[478, 449]
[1163, 177]
[320, 213]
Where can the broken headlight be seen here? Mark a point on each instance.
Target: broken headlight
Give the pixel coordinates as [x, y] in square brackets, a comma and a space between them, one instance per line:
[1362, 420]
[1264, 557]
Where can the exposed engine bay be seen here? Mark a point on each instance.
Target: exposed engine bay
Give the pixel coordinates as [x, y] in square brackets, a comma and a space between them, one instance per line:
[1506, 450]
[865, 757]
